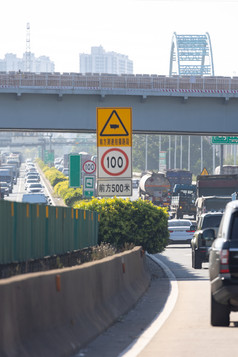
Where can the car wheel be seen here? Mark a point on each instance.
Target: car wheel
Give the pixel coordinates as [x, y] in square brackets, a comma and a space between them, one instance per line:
[220, 314]
[197, 263]
[193, 259]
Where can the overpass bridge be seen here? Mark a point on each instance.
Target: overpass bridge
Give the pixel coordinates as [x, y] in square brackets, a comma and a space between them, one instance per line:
[67, 102]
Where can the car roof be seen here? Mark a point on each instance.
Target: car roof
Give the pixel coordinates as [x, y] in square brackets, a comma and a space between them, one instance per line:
[233, 204]
[179, 222]
[212, 213]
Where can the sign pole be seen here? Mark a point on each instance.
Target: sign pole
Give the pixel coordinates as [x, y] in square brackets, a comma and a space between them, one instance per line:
[221, 159]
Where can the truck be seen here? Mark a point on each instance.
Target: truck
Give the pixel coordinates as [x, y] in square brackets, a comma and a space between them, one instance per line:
[6, 176]
[214, 191]
[211, 203]
[176, 176]
[155, 187]
[226, 170]
[183, 201]
[216, 185]
[15, 171]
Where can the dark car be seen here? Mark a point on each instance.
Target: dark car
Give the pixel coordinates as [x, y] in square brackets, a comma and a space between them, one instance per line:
[6, 184]
[223, 268]
[203, 238]
[4, 188]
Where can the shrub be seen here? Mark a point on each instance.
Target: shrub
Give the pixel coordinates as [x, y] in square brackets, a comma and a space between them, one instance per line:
[73, 195]
[54, 175]
[61, 188]
[130, 222]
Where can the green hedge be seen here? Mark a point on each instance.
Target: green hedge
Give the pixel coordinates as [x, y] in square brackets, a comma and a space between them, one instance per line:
[60, 183]
[122, 221]
[125, 222]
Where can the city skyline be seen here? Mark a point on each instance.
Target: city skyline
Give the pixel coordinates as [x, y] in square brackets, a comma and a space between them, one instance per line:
[141, 29]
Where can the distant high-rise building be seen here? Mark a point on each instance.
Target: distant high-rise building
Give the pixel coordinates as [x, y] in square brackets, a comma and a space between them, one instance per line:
[36, 65]
[100, 61]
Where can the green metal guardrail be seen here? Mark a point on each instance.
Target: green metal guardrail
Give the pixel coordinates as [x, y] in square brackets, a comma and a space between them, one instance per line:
[32, 231]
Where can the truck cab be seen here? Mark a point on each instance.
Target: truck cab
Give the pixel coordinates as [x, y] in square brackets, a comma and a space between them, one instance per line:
[183, 200]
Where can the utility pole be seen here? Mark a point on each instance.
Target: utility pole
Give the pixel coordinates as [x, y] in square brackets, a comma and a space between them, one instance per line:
[201, 153]
[221, 159]
[146, 149]
[189, 143]
[175, 149]
[169, 151]
[181, 152]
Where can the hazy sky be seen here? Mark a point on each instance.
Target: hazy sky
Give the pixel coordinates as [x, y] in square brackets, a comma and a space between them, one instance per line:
[140, 29]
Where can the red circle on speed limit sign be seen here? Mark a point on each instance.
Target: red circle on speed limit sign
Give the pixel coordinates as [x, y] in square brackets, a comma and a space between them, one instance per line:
[89, 167]
[114, 162]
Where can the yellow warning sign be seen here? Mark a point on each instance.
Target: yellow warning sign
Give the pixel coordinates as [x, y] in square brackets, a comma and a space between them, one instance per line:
[114, 127]
[204, 171]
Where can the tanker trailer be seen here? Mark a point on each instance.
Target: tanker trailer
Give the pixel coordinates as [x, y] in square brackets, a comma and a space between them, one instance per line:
[155, 187]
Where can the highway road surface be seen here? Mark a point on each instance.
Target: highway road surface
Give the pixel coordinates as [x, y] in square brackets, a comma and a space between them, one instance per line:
[179, 326]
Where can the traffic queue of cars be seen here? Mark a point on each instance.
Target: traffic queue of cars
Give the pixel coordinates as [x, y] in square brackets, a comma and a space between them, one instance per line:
[215, 241]
[33, 186]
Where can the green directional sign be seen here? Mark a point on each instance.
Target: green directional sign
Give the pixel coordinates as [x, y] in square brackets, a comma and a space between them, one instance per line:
[49, 156]
[224, 140]
[74, 171]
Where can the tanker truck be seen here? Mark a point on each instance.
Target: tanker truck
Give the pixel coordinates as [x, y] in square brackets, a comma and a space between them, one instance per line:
[155, 187]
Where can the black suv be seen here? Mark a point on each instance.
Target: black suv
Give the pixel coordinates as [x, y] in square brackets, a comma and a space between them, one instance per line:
[203, 237]
[223, 268]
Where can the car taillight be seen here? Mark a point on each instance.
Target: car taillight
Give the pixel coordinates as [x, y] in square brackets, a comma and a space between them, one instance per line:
[190, 231]
[170, 231]
[224, 264]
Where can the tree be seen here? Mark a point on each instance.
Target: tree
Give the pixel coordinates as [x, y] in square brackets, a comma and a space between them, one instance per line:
[155, 142]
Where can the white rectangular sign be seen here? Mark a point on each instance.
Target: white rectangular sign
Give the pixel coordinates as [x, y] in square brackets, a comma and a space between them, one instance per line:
[114, 187]
[114, 162]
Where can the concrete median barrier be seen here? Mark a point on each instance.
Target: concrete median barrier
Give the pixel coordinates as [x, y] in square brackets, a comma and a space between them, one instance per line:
[55, 313]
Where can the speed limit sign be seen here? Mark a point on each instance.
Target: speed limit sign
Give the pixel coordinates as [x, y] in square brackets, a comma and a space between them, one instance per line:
[114, 162]
[89, 167]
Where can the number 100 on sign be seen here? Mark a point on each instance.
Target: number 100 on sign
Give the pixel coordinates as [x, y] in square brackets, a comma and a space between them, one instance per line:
[114, 162]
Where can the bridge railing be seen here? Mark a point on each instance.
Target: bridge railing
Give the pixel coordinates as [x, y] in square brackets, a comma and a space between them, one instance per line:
[32, 231]
[113, 81]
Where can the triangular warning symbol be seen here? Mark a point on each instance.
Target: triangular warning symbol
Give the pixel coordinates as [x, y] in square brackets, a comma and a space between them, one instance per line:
[204, 171]
[114, 126]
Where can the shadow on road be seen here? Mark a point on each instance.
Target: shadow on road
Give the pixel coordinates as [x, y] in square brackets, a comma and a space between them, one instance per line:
[182, 271]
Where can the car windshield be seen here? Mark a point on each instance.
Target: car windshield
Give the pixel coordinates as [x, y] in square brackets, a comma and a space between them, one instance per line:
[179, 223]
[33, 185]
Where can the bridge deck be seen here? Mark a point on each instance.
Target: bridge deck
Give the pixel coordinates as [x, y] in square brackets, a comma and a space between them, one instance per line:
[155, 85]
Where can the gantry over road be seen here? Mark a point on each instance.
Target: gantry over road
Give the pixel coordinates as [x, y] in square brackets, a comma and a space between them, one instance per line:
[160, 104]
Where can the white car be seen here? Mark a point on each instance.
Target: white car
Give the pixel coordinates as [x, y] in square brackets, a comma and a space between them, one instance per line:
[35, 188]
[180, 230]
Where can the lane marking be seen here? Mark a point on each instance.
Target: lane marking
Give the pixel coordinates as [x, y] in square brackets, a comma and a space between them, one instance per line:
[142, 341]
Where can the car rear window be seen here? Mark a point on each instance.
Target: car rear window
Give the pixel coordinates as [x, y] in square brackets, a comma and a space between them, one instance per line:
[234, 227]
[179, 223]
[211, 221]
